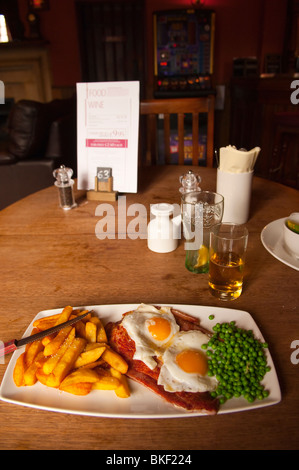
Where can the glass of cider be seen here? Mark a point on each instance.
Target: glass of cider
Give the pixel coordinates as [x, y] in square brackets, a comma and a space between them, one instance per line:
[228, 245]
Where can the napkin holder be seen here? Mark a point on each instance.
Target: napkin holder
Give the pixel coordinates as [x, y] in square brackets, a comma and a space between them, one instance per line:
[103, 190]
[236, 189]
[234, 182]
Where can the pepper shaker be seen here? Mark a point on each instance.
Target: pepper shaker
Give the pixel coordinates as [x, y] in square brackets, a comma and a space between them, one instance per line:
[65, 185]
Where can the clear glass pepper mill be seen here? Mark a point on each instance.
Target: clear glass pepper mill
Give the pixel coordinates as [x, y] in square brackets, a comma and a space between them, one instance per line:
[65, 185]
[190, 182]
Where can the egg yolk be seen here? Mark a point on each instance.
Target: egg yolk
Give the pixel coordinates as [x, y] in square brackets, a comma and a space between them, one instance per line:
[192, 362]
[159, 328]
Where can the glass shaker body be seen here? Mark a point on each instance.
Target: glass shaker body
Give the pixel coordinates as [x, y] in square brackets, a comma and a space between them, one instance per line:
[190, 182]
[65, 184]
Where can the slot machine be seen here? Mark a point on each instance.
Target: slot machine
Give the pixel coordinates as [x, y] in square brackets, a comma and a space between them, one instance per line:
[183, 52]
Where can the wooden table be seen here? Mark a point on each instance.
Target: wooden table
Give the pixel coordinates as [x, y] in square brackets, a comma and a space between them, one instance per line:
[51, 258]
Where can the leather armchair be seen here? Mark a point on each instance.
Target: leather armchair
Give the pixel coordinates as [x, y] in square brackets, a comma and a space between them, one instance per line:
[40, 137]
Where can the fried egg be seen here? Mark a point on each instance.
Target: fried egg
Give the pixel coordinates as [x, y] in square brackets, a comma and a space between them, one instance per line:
[152, 330]
[185, 364]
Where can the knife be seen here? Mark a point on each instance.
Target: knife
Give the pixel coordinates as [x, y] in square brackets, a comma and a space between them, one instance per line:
[10, 346]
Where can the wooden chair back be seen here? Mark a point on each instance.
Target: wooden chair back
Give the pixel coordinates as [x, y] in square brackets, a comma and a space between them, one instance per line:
[180, 107]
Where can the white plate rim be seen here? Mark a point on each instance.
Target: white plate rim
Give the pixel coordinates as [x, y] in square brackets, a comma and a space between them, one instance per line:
[277, 243]
[148, 405]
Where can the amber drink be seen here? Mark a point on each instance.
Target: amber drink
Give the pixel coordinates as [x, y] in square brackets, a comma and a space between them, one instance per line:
[228, 244]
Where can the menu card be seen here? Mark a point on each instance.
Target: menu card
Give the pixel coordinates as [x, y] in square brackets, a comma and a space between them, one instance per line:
[107, 133]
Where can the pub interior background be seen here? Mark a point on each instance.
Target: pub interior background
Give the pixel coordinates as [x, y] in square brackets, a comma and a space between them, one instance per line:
[56, 44]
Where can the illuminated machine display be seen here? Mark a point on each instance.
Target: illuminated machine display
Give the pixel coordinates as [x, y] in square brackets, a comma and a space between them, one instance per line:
[184, 44]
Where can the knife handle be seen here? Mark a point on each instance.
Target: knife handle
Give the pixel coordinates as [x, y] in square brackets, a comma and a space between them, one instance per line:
[7, 348]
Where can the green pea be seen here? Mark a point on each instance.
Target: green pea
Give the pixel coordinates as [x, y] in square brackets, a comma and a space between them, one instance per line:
[238, 362]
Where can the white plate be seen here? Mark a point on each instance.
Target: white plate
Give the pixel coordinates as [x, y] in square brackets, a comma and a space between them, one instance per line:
[272, 239]
[142, 403]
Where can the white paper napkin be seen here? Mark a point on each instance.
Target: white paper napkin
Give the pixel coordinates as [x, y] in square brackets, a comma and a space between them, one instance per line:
[237, 161]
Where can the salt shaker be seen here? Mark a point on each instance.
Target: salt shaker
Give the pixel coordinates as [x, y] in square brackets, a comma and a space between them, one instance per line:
[190, 182]
[162, 232]
[65, 185]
